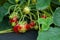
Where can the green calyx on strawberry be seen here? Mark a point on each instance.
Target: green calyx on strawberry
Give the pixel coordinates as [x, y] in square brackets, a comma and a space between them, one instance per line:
[32, 24]
[26, 10]
[12, 15]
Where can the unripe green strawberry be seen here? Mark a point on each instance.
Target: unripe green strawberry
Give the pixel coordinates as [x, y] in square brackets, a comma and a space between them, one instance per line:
[36, 27]
[16, 1]
[26, 10]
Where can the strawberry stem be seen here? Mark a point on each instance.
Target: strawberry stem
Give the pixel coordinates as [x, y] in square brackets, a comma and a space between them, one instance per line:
[10, 8]
[30, 17]
[6, 31]
[28, 3]
[33, 15]
[15, 8]
[38, 18]
[51, 10]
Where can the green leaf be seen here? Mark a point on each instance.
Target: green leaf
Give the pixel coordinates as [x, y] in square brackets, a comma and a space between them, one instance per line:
[42, 4]
[56, 16]
[45, 23]
[1, 17]
[3, 12]
[51, 34]
[6, 5]
[12, 1]
[57, 2]
[2, 2]
[41, 21]
[49, 20]
[4, 25]
[45, 27]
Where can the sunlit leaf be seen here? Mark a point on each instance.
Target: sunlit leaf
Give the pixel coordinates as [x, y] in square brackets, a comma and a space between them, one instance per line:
[41, 21]
[42, 4]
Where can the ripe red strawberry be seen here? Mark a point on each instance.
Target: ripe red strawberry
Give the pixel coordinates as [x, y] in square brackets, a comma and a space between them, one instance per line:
[22, 29]
[27, 26]
[13, 20]
[22, 25]
[15, 29]
[32, 24]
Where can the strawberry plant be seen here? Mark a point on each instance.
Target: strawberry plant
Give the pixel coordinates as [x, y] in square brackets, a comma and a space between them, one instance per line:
[20, 16]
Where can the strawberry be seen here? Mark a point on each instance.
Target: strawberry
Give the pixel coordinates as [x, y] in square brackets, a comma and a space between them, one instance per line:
[16, 1]
[15, 29]
[32, 24]
[13, 20]
[22, 29]
[43, 16]
[36, 27]
[26, 10]
[27, 26]
[22, 25]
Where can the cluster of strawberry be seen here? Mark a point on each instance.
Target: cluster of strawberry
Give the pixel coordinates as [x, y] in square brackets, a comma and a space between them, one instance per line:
[20, 26]
[23, 27]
